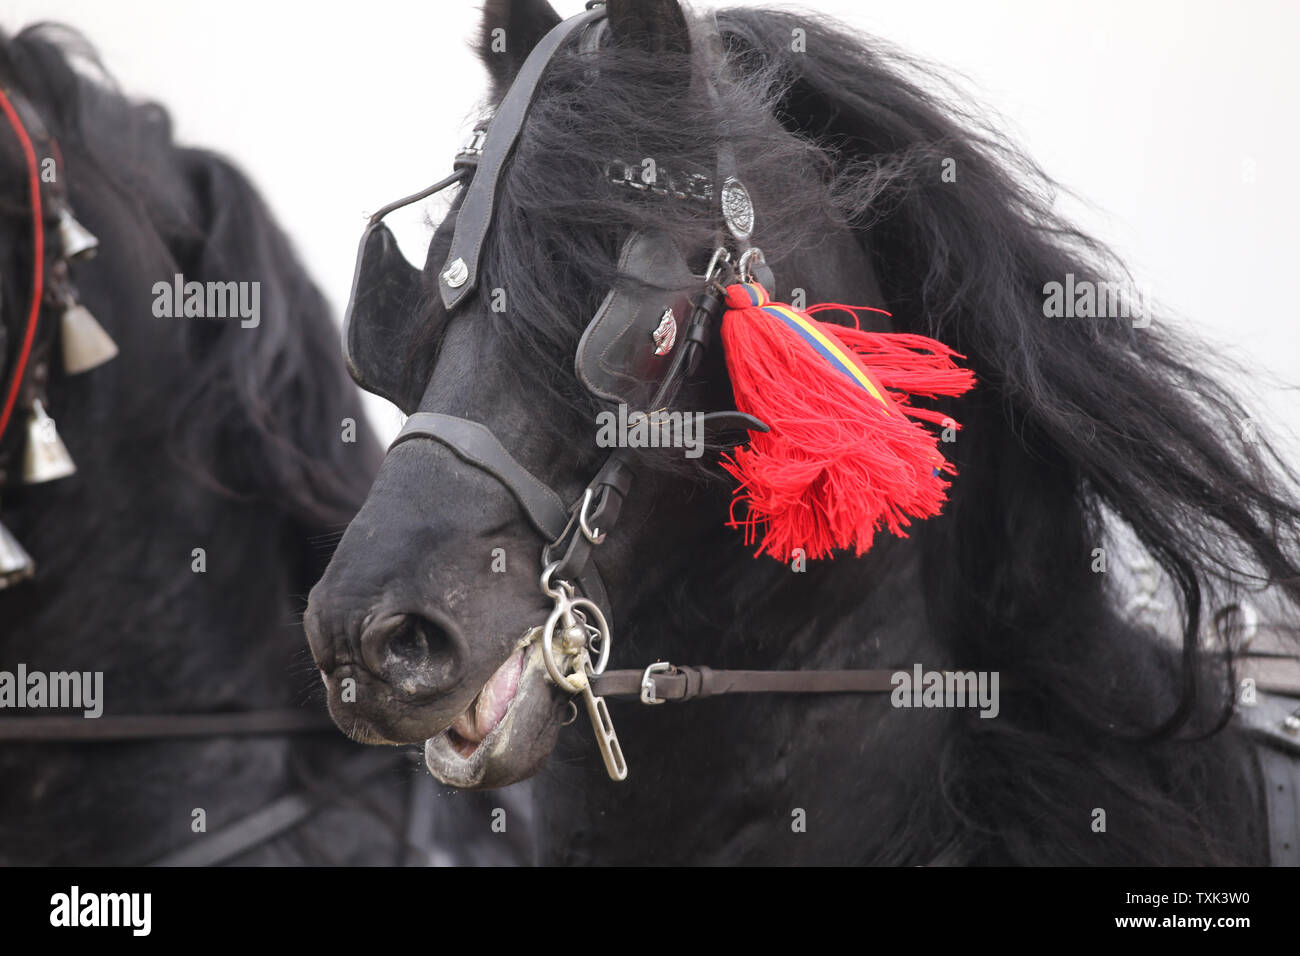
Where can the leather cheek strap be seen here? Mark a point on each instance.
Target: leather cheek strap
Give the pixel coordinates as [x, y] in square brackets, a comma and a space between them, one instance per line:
[475, 216]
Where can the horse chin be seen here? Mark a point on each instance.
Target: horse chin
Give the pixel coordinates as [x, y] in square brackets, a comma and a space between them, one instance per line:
[517, 745]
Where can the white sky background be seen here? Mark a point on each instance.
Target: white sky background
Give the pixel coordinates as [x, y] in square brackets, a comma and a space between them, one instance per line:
[1175, 121]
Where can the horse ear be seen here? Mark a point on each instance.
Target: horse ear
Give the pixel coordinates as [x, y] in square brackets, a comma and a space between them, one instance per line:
[656, 26]
[511, 28]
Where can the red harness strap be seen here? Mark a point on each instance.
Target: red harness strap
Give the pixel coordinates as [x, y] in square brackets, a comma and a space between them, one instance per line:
[38, 258]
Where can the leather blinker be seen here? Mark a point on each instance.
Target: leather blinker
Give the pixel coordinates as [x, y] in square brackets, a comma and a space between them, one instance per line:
[379, 337]
[627, 348]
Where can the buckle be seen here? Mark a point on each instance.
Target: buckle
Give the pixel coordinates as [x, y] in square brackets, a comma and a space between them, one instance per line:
[648, 682]
[477, 137]
[594, 535]
[472, 151]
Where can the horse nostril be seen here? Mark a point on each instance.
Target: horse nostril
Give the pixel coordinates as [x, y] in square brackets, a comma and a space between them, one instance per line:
[415, 655]
[410, 639]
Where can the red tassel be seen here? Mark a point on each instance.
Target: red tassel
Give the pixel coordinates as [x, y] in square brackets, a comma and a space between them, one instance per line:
[844, 457]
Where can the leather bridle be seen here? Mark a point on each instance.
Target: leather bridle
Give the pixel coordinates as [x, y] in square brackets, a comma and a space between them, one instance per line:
[580, 626]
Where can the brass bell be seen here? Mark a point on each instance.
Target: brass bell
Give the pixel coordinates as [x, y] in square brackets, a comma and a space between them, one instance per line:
[85, 343]
[76, 239]
[45, 458]
[15, 564]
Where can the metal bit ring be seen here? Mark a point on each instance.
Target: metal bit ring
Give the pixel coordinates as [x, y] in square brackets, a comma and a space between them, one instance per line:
[548, 652]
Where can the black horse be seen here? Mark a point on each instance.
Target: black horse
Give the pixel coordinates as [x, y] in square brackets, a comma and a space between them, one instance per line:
[247, 442]
[1112, 743]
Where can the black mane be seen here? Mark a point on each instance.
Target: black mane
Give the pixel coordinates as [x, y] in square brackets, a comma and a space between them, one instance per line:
[1076, 420]
[567, 219]
[1078, 424]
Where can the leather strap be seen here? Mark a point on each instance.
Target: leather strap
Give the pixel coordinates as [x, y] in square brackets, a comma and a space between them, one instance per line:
[475, 444]
[72, 729]
[709, 46]
[708, 308]
[610, 486]
[475, 215]
[691, 683]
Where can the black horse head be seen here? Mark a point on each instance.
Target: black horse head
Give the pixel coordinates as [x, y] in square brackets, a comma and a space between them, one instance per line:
[418, 623]
[412, 608]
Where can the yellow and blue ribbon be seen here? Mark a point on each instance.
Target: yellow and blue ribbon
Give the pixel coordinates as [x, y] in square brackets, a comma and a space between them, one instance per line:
[807, 329]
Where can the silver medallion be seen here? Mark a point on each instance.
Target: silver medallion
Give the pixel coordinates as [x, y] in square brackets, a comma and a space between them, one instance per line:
[737, 208]
[665, 335]
[456, 273]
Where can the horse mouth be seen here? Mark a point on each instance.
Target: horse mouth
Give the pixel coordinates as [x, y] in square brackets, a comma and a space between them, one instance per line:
[505, 733]
[483, 717]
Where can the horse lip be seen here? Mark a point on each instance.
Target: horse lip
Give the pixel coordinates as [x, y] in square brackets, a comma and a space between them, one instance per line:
[493, 753]
[449, 767]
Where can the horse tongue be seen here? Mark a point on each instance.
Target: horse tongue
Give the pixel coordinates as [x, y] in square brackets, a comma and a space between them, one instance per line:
[494, 700]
